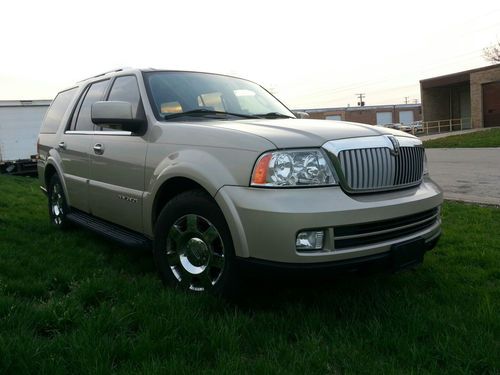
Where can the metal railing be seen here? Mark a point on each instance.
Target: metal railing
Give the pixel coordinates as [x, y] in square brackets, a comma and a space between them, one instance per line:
[444, 126]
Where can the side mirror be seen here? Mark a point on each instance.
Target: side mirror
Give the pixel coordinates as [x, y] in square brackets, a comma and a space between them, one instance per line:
[301, 114]
[116, 113]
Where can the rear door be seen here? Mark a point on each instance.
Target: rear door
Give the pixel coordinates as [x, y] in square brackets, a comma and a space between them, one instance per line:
[117, 161]
[75, 145]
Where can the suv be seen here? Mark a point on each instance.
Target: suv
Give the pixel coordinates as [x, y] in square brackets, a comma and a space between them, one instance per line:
[216, 175]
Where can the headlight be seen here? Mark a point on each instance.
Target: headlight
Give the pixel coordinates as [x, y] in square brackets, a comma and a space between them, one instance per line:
[292, 168]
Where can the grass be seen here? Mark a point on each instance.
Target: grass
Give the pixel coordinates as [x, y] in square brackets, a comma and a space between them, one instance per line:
[71, 302]
[485, 138]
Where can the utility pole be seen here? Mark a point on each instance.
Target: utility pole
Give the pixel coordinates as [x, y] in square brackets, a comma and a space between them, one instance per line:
[406, 99]
[361, 103]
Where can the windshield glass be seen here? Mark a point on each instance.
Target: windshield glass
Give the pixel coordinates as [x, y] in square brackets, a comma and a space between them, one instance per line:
[180, 92]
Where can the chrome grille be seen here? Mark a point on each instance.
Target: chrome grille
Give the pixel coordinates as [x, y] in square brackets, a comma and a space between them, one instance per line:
[377, 163]
[378, 169]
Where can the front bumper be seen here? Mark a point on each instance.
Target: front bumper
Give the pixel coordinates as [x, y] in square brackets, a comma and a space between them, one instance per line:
[264, 222]
[377, 262]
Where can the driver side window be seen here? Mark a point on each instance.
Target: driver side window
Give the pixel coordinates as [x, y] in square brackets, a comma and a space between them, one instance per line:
[124, 89]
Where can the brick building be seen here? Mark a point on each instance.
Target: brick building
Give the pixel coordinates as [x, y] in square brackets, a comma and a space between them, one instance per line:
[373, 115]
[472, 96]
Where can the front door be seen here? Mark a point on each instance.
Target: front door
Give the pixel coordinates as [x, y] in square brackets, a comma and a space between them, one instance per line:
[117, 162]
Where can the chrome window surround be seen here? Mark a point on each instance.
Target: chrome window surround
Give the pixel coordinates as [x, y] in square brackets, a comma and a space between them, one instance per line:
[335, 147]
[97, 132]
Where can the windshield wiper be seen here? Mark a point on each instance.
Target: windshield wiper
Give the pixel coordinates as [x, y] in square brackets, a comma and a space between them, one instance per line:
[274, 115]
[203, 112]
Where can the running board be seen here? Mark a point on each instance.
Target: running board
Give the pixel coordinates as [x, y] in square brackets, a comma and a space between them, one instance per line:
[111, 231]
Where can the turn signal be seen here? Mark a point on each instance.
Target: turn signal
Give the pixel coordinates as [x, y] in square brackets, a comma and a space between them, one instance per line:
[260, 172]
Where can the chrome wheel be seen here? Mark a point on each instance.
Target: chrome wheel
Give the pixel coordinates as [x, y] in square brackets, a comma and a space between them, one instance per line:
[195, 252]
[57, 203]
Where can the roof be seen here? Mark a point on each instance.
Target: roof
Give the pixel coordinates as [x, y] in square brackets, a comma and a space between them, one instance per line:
[454, 78]
[364, 108]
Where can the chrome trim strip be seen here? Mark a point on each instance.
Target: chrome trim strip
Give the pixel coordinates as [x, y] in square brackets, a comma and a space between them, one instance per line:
[378, 141]
[43, 189]
[79, 132]
[97, 132]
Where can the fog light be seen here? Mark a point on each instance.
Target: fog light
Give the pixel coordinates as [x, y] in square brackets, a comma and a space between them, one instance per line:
[310, 240]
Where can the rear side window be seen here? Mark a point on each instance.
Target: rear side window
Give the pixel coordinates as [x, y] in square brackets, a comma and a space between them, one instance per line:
[94, 94]
[57, 110]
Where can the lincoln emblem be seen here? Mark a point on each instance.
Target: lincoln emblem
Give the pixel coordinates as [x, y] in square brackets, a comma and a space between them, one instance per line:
[395, 144]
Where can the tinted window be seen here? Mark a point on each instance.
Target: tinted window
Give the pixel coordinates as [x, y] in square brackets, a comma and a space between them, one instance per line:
[57, 110]
[94, 94]
[125, 89]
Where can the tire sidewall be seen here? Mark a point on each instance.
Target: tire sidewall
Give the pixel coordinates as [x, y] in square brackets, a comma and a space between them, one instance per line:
[64, 221]
[201, 204]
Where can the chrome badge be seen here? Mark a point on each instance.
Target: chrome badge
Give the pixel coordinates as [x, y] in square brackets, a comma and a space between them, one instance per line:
[128, 199]
[395, 144]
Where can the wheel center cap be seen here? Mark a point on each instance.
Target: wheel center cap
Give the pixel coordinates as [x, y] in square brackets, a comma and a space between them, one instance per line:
[197, 252]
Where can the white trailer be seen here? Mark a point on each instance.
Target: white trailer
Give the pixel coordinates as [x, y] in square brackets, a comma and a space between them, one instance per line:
[20, 122]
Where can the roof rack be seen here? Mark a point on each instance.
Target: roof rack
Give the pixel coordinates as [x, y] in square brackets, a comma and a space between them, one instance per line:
[103, 74]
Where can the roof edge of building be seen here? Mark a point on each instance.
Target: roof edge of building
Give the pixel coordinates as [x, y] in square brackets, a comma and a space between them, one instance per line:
[25, 103]
[464, 72]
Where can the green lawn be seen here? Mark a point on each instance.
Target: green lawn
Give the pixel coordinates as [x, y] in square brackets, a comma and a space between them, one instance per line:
[73, 303]
[486, 138]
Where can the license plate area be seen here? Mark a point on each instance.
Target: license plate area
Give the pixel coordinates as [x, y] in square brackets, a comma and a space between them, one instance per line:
[407, 254]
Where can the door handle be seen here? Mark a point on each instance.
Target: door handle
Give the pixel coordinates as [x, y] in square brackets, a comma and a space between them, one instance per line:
[62, 145]
[98, 149]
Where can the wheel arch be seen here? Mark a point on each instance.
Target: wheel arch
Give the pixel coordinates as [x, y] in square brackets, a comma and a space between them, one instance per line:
[50, 170]
[171, 188]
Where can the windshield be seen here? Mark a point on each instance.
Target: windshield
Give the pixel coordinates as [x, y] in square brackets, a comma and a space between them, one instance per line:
[200, 94]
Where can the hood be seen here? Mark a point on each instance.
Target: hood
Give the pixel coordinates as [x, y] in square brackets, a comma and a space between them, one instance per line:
[295, 133]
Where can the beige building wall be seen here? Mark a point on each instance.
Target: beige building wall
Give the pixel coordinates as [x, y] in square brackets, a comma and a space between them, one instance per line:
[477, 79]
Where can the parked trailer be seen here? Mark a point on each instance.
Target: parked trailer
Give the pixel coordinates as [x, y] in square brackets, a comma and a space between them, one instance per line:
[20, 123]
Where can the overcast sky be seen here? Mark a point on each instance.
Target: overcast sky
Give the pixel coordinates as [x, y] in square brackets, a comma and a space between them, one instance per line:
[309, 53]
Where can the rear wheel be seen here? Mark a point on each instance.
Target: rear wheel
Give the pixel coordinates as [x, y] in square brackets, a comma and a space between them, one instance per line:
[193, 247]
[58, 208]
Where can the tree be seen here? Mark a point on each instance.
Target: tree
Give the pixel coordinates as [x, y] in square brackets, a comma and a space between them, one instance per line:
[492, 53]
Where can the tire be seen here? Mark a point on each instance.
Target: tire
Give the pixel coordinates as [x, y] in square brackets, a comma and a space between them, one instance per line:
[193, 249]
[58, 206]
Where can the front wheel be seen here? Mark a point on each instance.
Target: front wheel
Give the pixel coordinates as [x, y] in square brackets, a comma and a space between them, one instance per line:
[193, 248]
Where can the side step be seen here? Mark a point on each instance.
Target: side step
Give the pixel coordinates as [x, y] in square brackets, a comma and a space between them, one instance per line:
[111, 231]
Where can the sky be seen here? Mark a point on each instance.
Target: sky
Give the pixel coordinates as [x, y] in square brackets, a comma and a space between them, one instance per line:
[310, 54]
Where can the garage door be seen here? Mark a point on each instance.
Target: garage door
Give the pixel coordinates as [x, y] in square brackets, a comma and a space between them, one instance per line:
[334, 117]
[491, 104]
[384, 118]
[405, 117]
[19, 127]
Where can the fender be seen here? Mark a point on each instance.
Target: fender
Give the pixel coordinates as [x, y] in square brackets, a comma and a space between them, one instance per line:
[208, 169]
